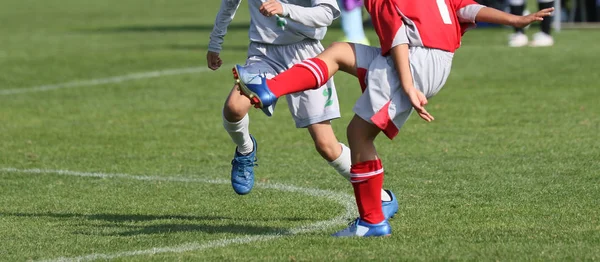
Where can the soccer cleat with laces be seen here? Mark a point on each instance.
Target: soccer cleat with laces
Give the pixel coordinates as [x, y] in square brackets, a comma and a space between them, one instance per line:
[255, 87]
[242, 170]
[390, 208]
[360, 228]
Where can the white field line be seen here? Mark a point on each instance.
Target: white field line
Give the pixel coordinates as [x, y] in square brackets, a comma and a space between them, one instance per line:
[108, 80]
[341, 198]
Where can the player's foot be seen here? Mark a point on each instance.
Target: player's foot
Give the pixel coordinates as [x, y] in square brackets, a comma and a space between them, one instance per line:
[390, 208]
[518, 40]
[255, 88]
[242, 170]
[541, 39]
[361, 228]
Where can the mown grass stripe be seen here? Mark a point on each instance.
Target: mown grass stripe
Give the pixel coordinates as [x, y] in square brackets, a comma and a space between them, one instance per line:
[108, 80]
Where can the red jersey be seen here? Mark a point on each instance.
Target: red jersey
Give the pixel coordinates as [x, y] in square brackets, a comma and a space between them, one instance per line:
[437, 22]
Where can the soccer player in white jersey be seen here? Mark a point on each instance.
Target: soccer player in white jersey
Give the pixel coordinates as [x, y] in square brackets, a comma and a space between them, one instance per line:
[283, 33]
[412, 65]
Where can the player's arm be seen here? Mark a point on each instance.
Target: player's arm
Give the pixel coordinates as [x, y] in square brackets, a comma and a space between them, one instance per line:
[399, 54]
[222, 21]
[320, 14]
[394, 41]
[491, 15]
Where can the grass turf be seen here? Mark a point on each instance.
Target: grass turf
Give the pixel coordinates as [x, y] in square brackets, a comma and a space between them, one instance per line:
[508, 171]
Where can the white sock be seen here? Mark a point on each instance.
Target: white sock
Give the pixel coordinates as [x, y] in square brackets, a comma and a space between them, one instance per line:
[342, 165]
[238, 131]
[385, 196]
[343, 162]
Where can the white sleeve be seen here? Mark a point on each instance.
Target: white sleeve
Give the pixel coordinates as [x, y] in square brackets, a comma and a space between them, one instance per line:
[468, 13]
[321, 14]
[222, 21]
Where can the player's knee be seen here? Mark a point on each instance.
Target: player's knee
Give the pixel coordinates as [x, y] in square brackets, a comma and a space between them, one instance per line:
[338, 45]
[342, 53]
[333, 45]
[233, 112]
[355, 132]
[328, 149]
[236, 107]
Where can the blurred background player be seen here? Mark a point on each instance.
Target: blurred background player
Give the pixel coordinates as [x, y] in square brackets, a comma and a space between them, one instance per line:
[352, 21]
[542, 38]
[393, 86]
[273, 49]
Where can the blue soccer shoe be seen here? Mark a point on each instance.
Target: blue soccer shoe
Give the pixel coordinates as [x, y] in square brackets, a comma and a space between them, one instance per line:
[242, 170]
[359, 228]
[390, 208]
[255, 87]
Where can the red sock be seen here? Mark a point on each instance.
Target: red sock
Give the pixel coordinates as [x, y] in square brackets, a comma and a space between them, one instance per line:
[367, 180]
[308, 74]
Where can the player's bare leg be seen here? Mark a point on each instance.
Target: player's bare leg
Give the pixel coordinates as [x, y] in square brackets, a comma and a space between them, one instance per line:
[337, 154]
[308, 74]
[236, 122]
[367, 180]
[236, 106]
[325, 141]
[361, 138]
[339, 56]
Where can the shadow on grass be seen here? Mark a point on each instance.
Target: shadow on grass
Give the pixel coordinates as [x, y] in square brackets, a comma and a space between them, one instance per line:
[115, 217]
[125, 224]
[166, 28]
[128, 230]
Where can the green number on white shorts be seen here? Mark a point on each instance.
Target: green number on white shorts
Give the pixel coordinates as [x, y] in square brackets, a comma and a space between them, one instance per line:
[327, 92]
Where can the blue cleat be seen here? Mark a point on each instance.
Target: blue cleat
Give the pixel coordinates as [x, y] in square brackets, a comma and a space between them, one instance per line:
[255, 87]
[361, 228]
[390, 208]
[242, 170]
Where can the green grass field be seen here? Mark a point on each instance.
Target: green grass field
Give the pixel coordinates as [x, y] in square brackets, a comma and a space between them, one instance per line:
[112, 148]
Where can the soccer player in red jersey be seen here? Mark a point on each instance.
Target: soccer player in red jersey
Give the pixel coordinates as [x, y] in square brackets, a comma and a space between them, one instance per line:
[418, 40]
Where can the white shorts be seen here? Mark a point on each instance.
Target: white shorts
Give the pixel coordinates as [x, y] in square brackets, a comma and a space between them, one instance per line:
[308, 107]
[383, 101]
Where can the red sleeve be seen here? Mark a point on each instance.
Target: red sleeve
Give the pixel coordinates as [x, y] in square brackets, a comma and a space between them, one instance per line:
[386, 21]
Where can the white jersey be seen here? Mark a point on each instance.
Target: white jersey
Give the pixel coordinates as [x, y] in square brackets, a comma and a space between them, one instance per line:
[306, 19]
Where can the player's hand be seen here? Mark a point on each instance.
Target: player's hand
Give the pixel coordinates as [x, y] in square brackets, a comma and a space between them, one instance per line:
[213, 60]
[524, 21]
[418, 101]
[271, 8]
